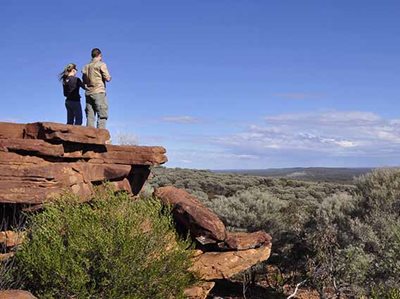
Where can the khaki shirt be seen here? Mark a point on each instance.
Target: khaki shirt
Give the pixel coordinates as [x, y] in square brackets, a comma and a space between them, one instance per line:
[94, 76]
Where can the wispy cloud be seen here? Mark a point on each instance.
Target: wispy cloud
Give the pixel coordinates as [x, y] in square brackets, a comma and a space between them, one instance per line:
[334, 133]
[327, 118]
[202, 158]
[183, 119]
[319, 138]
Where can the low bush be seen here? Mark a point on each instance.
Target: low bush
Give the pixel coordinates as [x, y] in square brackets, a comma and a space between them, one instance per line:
[112, 247]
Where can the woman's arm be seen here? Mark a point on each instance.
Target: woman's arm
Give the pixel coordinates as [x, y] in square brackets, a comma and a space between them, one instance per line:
[81, 85]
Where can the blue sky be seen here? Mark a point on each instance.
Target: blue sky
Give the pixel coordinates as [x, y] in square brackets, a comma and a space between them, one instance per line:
[221, 84]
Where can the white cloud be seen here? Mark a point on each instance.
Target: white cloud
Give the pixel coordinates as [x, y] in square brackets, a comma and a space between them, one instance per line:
[324, 138]
[333, 133]
[183, 119]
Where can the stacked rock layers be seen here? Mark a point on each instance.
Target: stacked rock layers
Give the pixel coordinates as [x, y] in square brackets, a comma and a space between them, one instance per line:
[41, 160]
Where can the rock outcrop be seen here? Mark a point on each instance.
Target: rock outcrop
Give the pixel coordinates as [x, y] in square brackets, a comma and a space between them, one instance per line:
[41, 160]
[230, 252]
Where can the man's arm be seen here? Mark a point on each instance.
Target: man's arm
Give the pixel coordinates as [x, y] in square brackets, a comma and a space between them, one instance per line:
[84, 75]
[104, 72]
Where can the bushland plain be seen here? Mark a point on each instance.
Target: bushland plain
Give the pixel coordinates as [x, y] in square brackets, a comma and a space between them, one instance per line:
[340, 240]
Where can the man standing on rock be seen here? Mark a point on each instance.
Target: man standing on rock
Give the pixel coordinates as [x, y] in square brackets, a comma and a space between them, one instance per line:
[95, 75]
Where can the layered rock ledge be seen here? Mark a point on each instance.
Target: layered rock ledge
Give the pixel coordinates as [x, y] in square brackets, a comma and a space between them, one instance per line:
[41, 160]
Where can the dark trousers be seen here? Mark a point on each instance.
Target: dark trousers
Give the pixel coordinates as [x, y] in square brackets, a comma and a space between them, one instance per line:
[74, 112]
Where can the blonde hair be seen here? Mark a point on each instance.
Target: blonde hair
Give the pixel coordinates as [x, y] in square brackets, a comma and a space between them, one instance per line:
[64, 74]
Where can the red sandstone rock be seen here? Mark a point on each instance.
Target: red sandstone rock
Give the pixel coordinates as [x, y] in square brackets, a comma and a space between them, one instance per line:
[199, 291]
[31, 147]
[11, 238]
[100, 172]
[61, 133]
[7, 158]
[11, 130]
[122, 185]
[41, 160]
[189, 213]
[134, 155]
[33, 184]
[243, 241]
[16, 294]
[223, 265]
[110, 154]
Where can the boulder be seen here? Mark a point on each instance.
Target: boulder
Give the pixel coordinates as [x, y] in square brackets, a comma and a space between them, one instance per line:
[202, 224]
[243, 241]
[16, 294]
[199, 291]
[223, 265]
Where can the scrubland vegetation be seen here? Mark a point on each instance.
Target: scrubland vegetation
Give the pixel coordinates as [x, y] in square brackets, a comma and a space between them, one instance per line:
[341, 239]
[112, 247]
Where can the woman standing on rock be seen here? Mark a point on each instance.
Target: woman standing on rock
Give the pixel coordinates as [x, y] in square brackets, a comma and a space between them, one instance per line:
[71, 85]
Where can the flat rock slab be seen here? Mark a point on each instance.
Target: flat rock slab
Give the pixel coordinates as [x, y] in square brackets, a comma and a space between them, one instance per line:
[243, 241]
[202, 224]
[16, 294]
[61, 133]
[223, 265]
[31, 147]
[11, 130]
[134, 155]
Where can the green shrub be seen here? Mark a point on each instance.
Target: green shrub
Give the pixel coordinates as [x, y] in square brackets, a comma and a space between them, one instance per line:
[384, 293]
[250, 209]
[380, 190]
[112, 247]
